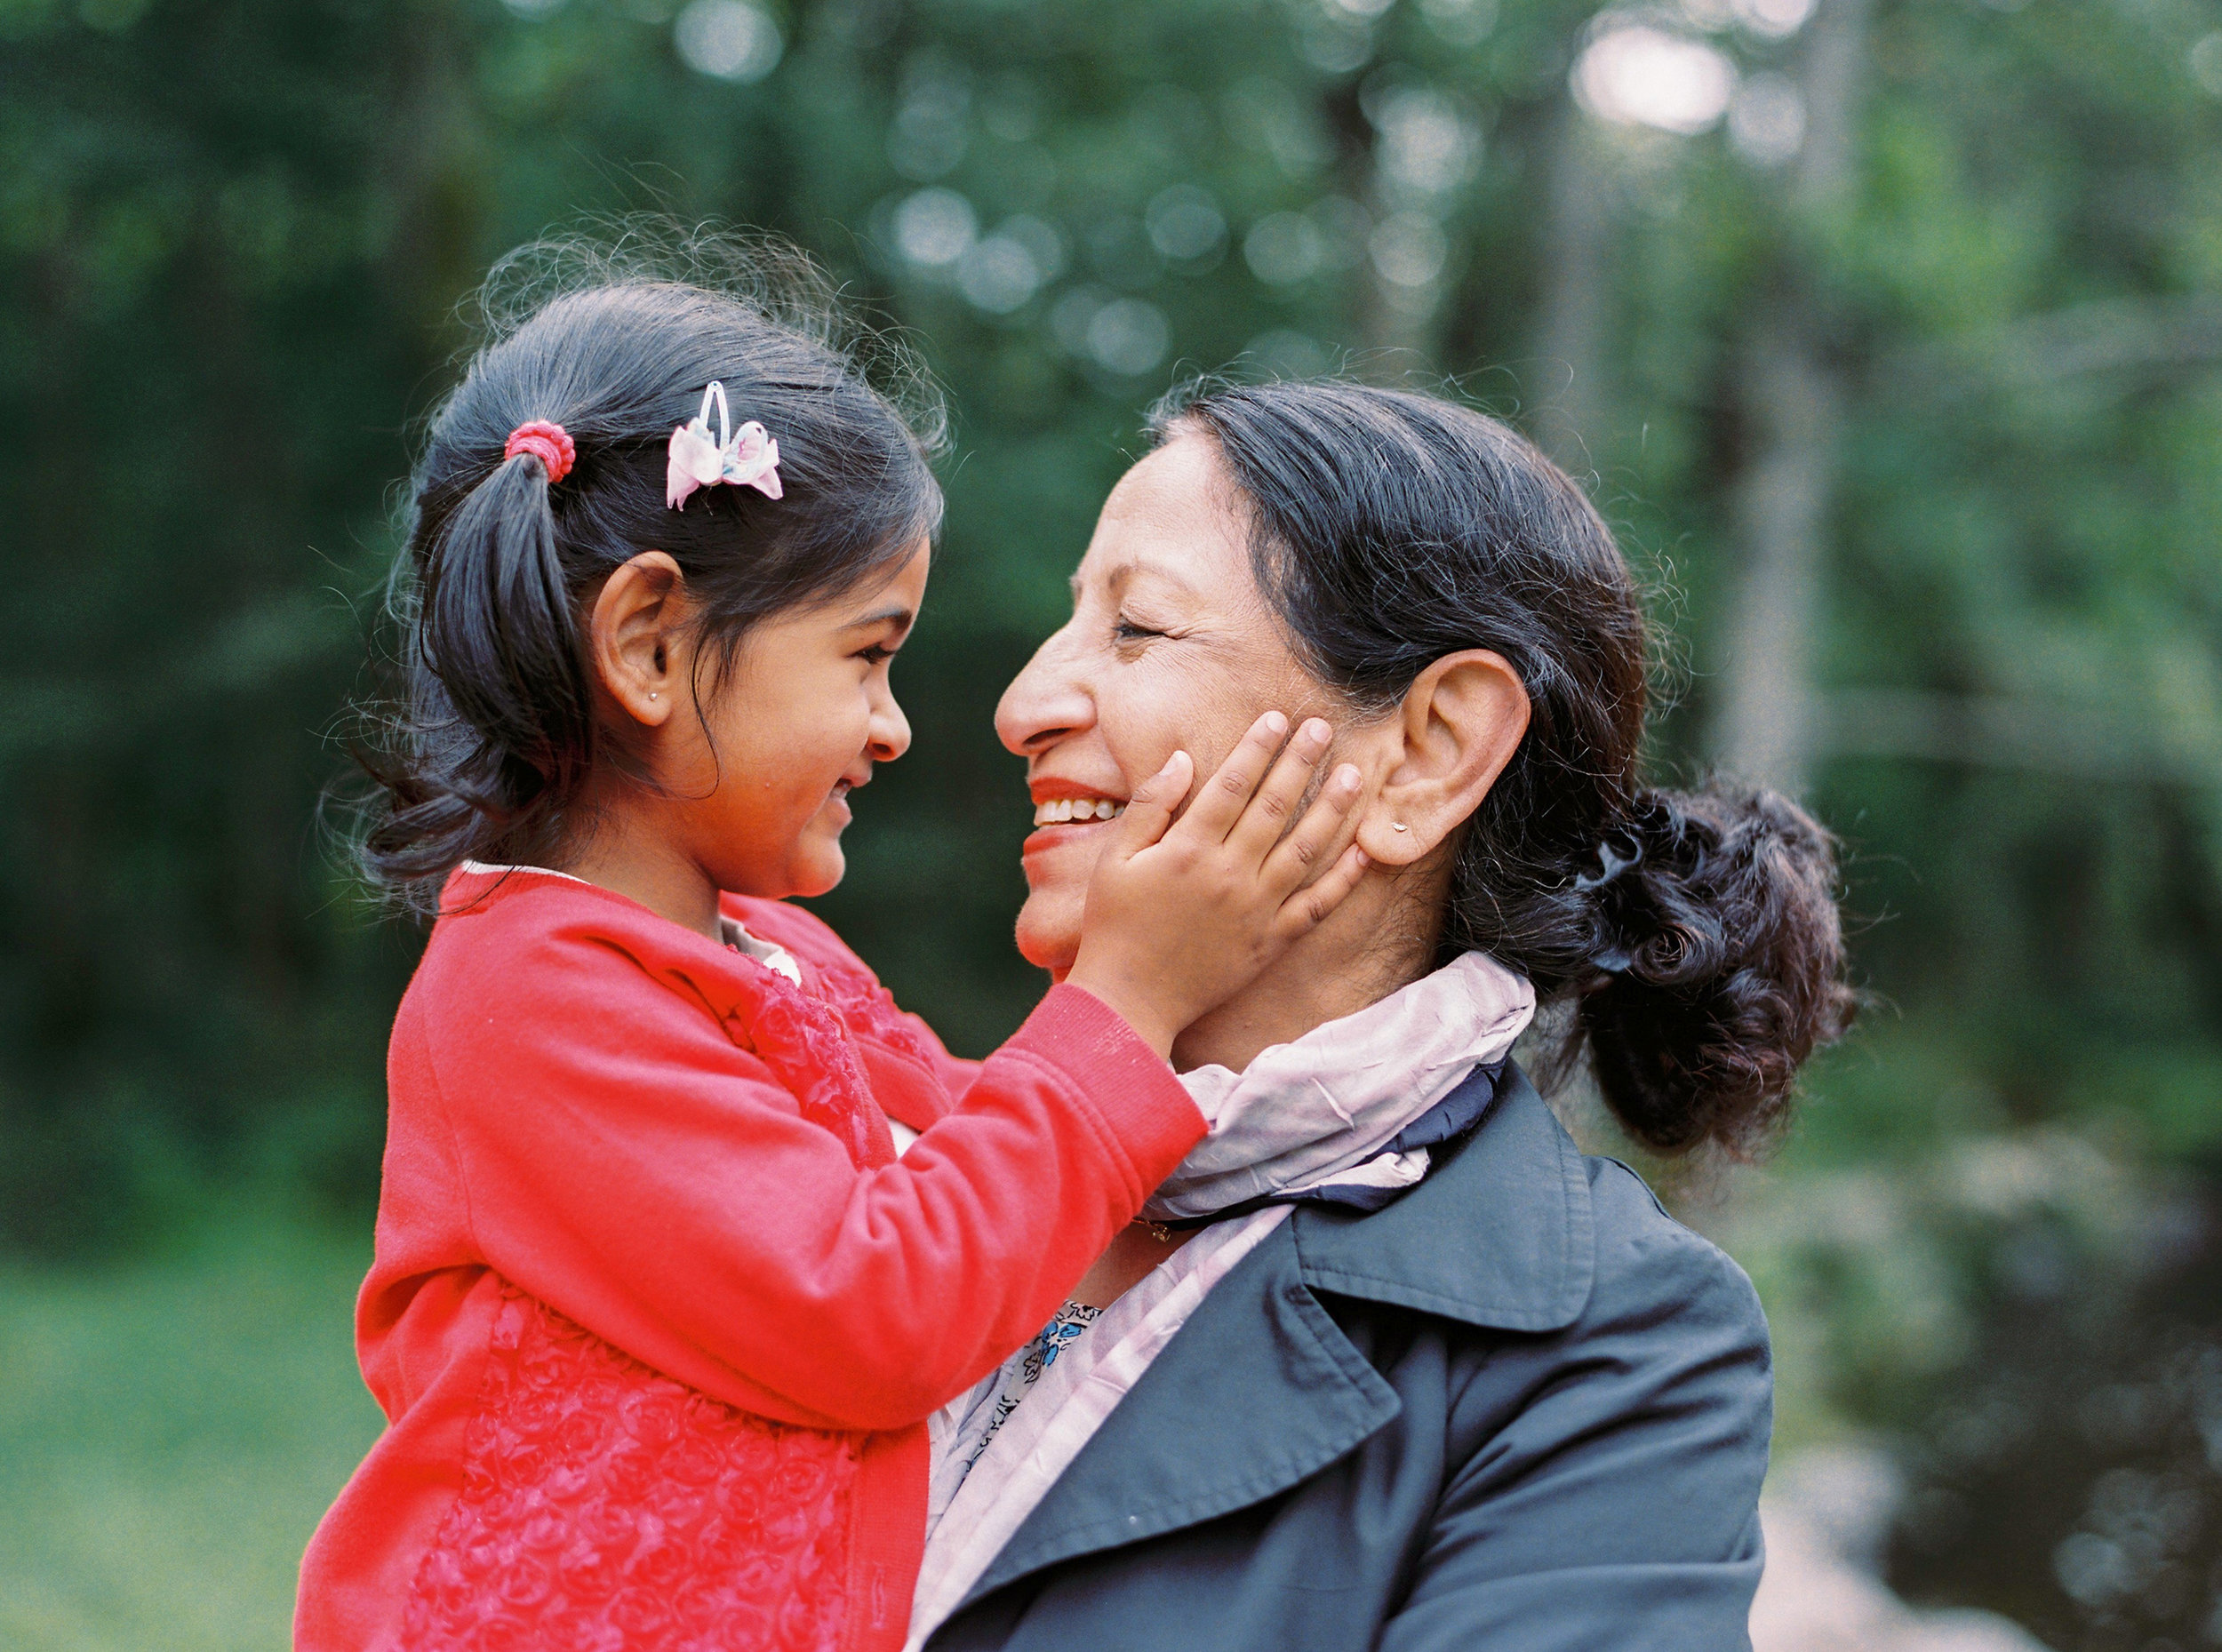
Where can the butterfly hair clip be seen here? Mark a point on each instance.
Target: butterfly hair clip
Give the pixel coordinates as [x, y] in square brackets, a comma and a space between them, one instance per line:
[746, 457]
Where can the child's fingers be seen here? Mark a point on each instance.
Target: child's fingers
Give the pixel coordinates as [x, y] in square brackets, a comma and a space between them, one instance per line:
[1304, 910]
[1150, 811]
[1219, 801]
[1328, 824]
[1270, 811]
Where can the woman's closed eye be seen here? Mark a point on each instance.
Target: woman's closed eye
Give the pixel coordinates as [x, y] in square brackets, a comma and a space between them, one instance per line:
[1125, 630]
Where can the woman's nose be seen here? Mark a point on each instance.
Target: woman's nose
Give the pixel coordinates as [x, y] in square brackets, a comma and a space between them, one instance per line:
[1044, 703]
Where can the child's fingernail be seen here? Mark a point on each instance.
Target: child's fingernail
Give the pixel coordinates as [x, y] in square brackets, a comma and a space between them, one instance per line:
[1364, 859]
[1275, 723]
[1317, 731]
[1347, 777]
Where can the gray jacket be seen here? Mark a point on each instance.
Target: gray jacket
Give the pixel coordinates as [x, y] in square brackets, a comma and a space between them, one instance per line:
[1520, 1409]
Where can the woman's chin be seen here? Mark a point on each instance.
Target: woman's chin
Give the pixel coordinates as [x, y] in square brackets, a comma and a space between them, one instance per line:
[1049, 930]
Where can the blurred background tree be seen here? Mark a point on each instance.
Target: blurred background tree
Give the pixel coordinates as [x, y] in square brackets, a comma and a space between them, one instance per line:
[1888, 332]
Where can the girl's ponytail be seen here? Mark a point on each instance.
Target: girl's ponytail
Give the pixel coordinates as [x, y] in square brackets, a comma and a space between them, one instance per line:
[516, 520]
[497, 633]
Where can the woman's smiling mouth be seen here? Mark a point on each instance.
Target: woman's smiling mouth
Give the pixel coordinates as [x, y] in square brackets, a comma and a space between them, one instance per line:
[1061, 810]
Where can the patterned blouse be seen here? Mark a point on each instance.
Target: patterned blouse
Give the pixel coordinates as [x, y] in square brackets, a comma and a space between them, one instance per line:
[962, 1429]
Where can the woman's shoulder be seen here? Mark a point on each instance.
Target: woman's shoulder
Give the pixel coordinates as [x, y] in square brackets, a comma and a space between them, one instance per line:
[1656, 1276]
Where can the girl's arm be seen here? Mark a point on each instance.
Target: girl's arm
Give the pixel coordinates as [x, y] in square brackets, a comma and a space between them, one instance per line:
[621, 1158]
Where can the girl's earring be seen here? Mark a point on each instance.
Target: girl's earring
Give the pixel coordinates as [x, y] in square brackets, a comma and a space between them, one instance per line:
[652, 696]
[1394, 825]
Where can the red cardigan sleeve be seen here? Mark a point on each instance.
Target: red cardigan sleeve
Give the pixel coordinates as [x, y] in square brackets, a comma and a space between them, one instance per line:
[624, 1161]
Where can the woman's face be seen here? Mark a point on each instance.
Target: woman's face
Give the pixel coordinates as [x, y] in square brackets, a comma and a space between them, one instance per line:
[1171, 646]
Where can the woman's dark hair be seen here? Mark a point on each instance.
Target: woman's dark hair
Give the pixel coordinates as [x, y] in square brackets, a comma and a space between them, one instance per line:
[1695, 934]
[496, 730]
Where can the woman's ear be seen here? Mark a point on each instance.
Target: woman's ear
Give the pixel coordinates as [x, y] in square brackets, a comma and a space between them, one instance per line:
[1462, 722]
[634, 636]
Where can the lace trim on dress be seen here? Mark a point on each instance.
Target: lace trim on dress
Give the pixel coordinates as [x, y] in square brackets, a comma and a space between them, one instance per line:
[608, 1508]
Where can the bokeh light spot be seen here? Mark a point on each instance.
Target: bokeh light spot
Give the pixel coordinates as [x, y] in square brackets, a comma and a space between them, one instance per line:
[1634, 75]
[1129, 336]
[935, 227]
[728, 39]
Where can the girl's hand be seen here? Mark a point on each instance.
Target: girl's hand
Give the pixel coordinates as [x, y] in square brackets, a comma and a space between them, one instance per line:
[1183, 913]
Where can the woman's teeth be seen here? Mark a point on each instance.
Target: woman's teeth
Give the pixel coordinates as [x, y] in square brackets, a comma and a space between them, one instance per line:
[1061, 809]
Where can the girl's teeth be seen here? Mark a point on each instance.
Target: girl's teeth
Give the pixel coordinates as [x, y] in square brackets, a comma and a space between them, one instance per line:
[1061, 809]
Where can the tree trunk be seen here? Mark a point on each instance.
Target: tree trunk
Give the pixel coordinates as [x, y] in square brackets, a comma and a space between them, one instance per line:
[1794, 397]
[1567, 380]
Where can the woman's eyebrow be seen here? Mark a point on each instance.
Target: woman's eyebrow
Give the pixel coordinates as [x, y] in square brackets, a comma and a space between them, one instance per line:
[1126, 573]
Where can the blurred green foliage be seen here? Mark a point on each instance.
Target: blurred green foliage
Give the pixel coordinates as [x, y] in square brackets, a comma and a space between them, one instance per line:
[235, 233]
[169, 1435]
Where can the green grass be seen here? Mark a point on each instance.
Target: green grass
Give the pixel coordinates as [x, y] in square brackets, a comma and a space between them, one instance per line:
[171, 1431]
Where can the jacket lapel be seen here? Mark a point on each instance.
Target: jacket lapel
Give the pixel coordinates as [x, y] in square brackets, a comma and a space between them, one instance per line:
[1307, 1397]
[1499, 1236]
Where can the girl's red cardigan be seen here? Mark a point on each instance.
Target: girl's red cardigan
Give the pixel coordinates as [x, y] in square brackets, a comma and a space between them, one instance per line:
[656, 1316]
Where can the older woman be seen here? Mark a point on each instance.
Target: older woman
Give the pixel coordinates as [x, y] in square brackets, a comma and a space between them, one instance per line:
[1395, 1365]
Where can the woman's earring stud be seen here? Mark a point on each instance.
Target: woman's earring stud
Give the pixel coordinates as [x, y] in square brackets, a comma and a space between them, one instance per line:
[653, 697]
[1398, 825]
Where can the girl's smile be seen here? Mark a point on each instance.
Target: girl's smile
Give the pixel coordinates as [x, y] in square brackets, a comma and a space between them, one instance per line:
[753, 762]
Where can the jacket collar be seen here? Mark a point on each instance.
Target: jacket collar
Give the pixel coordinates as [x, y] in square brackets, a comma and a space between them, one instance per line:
[1499, 1236]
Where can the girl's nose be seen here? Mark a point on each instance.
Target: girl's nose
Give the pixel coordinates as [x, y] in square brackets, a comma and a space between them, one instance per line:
[1045, 702]
[891, 730]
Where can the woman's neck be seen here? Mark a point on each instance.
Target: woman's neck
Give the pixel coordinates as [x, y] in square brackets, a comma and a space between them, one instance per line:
[1367, 950]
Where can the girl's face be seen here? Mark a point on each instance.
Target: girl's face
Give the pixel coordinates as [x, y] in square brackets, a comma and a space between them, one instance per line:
[760, 798]
[1171, 646]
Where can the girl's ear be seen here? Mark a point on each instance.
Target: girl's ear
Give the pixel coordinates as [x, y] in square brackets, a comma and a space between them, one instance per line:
[1462, 722]
[634, 640]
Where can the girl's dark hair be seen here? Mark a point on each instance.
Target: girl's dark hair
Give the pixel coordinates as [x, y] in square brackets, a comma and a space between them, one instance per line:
[496, 730]
[1695, 934]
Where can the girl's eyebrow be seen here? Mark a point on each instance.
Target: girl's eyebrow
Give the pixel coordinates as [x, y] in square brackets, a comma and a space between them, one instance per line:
[898, 616]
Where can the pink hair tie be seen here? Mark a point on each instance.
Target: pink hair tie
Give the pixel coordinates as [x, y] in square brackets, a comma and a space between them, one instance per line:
[547, 442]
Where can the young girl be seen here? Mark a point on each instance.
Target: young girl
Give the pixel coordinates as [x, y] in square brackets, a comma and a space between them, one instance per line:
[657, 1314]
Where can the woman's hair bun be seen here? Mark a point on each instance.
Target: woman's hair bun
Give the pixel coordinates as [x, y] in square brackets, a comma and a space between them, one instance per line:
[1719, 964]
